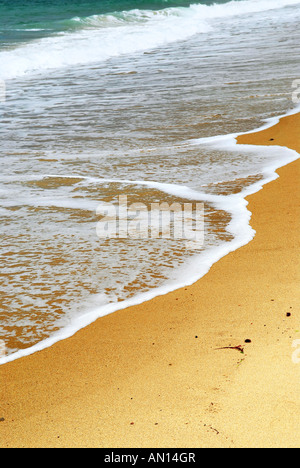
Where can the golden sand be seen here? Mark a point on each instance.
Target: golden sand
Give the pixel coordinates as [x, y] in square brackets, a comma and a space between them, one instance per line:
[153, 376]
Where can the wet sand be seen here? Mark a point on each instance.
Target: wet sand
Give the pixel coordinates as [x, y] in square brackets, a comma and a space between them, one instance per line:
[154, 376]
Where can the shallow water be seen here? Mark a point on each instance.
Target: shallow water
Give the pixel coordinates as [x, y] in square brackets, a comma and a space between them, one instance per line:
[107, 99]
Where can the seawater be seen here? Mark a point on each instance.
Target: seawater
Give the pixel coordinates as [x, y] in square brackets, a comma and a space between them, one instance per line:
[107, 98]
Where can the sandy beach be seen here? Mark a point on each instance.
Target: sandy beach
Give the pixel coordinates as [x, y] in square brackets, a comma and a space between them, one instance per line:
[165, 373]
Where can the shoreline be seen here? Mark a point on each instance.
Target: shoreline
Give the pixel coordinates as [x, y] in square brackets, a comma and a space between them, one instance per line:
[222, 141]
[157, 365]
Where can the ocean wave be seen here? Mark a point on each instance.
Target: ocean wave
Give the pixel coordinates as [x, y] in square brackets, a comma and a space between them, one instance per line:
[199, 265]
[101, 37]
[197, 11]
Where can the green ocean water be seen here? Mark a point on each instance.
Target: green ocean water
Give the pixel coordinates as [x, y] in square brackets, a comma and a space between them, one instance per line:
[22, 20]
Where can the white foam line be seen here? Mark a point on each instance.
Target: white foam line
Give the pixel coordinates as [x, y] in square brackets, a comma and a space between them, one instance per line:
[230, 139]
[239, 227]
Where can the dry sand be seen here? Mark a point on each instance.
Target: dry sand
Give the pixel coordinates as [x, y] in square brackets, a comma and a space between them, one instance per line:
[152, 376]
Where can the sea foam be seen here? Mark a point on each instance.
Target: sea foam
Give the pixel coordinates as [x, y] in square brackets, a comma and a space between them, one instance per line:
[101, 37]
[198, 266]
